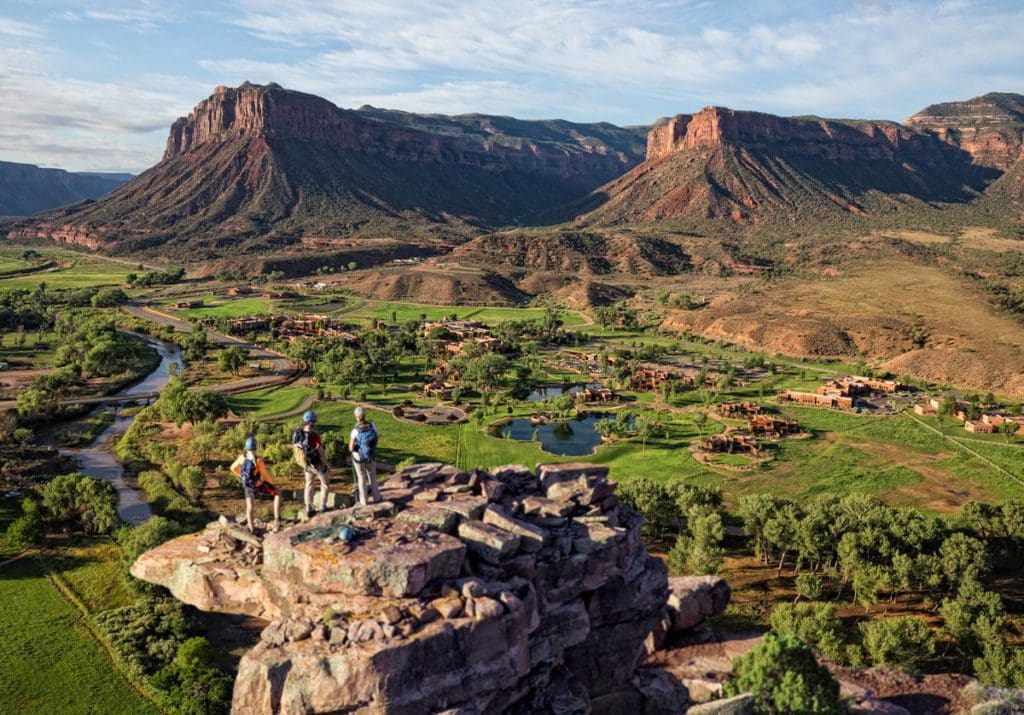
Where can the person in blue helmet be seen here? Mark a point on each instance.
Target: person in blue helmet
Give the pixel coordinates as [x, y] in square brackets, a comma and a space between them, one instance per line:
[255, 477]
[308, 449]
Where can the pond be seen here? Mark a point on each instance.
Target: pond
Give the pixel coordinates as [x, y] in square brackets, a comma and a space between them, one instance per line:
[574, 437]
[546, 392]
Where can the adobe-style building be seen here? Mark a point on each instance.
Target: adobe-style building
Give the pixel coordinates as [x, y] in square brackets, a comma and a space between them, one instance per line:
[814, 399]
[591, 395]
[740, 410]
[732, 444]
[771, 427]
[189, 304]
[239, 290]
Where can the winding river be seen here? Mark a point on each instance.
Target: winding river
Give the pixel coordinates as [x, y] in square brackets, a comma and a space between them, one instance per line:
[98, 461]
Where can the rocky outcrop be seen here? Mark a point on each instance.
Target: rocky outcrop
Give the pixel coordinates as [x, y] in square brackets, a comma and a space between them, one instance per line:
[262, 167]
[727, 167]
[990, 128]
[508, 591]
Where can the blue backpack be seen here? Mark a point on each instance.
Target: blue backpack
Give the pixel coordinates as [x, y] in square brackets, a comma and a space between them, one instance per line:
[248, 471]
[366, 442]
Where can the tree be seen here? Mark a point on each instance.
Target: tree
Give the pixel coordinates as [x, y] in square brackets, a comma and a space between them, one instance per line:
[27, 529]
[815, 624]
[194, 345]
[653, 501]
[90, 502]
[809, 586]
[902, 643]
[178, 404]
[231, 359]
[1008, 429]
[109, 298]
[973, 617]
[1000, 665]
[706, 534]
[647, 425]
[964, 558]
[784, 677]
[487, 371]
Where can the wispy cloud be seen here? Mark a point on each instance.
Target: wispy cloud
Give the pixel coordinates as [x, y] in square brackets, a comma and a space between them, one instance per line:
[104, 79]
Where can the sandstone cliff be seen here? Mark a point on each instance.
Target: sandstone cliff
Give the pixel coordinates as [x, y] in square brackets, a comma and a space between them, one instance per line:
[745, 168]
[990, 128]
[259, 167]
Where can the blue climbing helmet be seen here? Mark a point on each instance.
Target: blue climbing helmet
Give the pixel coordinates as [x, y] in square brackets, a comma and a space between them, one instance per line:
[250, 444]
[309, 416]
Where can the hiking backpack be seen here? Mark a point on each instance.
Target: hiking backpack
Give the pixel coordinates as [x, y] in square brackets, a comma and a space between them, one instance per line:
[248, 473]
[366, 442]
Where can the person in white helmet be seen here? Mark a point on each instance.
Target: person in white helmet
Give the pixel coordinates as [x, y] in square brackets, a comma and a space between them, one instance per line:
[362, 445]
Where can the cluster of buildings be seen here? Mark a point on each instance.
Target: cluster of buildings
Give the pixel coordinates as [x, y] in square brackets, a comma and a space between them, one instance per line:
[462, 333]
[304, 325]
[842, 392]
[650, 376]
[989, 422]
[759, 426]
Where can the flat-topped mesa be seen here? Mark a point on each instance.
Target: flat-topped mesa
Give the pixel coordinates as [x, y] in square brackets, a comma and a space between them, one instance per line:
[990, 127]
[500, 591]
[826, 138]
[260, 110]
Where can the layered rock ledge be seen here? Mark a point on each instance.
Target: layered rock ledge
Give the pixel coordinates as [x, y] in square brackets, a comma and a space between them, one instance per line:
[467, 592]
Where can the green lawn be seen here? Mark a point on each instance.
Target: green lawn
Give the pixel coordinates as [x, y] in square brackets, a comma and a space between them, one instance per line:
[49, 661]
[89, 568]
[415, 311]
[216, 307]
[269, 401]
[80, 272]
[35, 350]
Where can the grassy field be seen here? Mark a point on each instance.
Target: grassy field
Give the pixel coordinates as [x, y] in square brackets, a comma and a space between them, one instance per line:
[88, 567]
[269, 401]
[49, 660]
[216, 307]
[415, 311]
[78, 272]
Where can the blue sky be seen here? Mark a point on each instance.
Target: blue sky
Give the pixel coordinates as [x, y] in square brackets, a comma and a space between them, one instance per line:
[94, 86]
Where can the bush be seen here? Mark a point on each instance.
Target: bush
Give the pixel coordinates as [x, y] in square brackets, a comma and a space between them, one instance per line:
[148, 634]
[898, 642]
[784, 677]
[24, 531]
[192, 684]
[136, 540]
[109, 298]
[815, 624]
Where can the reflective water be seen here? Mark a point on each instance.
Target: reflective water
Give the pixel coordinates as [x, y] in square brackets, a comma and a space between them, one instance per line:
[98, 461]
[572, 437]
[546, 392]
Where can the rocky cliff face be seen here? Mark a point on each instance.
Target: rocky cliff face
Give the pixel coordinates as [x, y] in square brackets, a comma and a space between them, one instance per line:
[748, 168]
[466, 592]
[990, 128]
[262, 167]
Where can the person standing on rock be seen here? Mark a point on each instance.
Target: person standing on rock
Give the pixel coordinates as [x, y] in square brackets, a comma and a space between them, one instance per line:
[362, 445]
[308, 448]
[255, 480]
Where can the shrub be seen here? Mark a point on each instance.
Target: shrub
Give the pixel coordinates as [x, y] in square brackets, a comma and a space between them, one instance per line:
[898, 642]
[87, 501]
[136, 540]
[815, 624]
[784, 677]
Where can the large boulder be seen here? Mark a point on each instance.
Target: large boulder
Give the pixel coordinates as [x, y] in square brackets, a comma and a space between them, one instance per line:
[467, 592]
